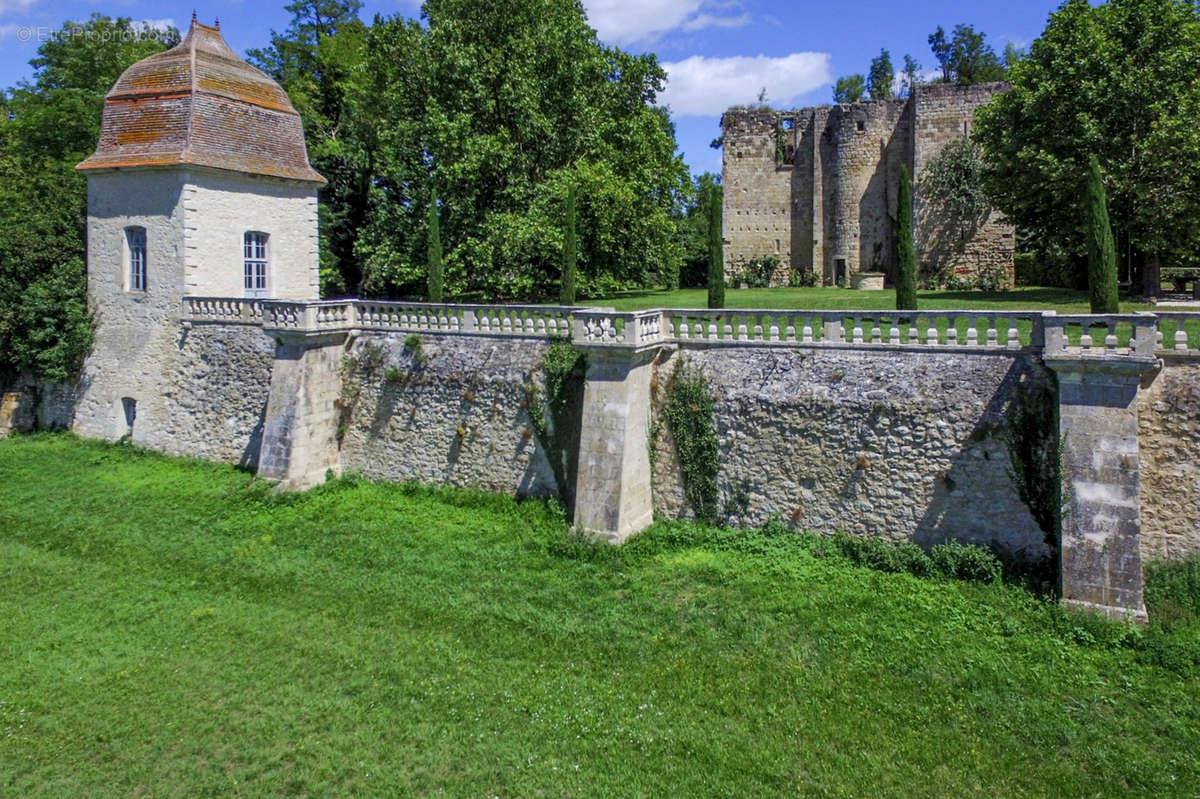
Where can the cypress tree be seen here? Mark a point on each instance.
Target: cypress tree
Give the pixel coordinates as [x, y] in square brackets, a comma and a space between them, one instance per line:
[716, 253]
[567, 290]
[906, 257]
[1102, 252]
[434, 245]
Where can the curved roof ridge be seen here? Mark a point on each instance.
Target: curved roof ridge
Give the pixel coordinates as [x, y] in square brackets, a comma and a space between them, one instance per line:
[198, 103]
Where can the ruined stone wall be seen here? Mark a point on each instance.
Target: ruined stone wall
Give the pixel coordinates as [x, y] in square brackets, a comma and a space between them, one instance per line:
[757, 219]
[816, 187]
[902, 445]
[1169, 443]
[456, 415]
[942, 114]
[872, 140]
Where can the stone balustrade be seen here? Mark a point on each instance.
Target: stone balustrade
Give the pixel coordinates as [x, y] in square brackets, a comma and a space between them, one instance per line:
[227, 310]
[1099, 335]
[1177, 332]
[1056, 335]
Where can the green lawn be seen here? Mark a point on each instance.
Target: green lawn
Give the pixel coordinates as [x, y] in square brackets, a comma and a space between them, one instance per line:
[171, 628]
[815, 299]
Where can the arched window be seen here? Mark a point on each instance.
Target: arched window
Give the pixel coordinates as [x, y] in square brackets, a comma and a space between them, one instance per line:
[135, 247]
[255, 259]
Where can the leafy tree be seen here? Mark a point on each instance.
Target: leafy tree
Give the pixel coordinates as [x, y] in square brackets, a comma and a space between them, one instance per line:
[879, 79]
[1102, 255]
[906, 257]
[319, 60]
[570, 255]
[850, 89]
[434, 245]
[693, 229]
[514, 101]
[912, 75]
[47, 126]
[954, 183]
[716, 263]
[965, 58]
[1120, 81]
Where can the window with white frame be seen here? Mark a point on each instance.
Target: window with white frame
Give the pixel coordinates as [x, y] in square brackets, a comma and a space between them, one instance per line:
[255, 259]
[135, 245]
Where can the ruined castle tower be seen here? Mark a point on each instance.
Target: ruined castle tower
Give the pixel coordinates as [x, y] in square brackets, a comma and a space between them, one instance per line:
[200, 186]
[816, 187]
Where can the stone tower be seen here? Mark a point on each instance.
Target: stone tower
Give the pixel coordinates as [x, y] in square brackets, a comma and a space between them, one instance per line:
[816, 188]
[200, 186]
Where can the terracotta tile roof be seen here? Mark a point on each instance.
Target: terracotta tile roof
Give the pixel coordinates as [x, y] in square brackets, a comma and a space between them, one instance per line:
[198, 103]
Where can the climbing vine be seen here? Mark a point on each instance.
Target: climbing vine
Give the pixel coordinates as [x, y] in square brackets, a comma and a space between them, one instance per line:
[1035, 453]
[554, 411]
[688, 413]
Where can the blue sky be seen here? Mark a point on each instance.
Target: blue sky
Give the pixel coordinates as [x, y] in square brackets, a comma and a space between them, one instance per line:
[717, 52]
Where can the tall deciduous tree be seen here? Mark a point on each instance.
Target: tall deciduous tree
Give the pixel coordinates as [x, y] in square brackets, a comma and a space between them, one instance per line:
[693, 229]
[319, 60]
[570, 252]
[881, 76]
[47, 126]
[849, 89]
[1120, 81]
[912, 75]
[716, 254]
[906, 257]
[965, 57]
[433, 243]
[515, 100]
[1101, 252]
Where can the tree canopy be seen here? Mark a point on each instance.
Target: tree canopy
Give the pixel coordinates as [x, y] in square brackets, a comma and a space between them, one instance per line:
[849, 89]
[965, 57]
[47, 126]
[1121, 81]
[503, 104]
[881, 76]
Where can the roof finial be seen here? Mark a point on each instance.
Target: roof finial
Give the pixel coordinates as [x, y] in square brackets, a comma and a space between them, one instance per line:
[193, 16]
[218, 23]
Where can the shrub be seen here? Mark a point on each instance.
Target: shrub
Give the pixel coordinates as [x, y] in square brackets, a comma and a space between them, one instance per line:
[906, 258]
[803, 279]
[964, 562]
[1102, 254]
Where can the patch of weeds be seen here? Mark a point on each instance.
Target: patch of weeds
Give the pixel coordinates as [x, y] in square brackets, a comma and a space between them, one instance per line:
[393, 374]
[688, 413]
[414, 347]
[1172, 591]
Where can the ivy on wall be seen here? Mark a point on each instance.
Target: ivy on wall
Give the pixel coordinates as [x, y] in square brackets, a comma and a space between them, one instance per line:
[688, 413]
[555, 412]
[1035, 453]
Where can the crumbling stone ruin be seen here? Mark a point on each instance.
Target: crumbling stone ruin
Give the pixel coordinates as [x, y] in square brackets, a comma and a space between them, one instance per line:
[816, 189]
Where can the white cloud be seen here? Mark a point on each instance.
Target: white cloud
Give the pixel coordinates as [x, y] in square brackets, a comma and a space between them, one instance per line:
[702, 21]
[703, 86]
[157, 24]
[12, 6]
[630, 21]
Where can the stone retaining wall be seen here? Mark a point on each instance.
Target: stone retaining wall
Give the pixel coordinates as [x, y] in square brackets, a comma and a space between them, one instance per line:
[897, 444]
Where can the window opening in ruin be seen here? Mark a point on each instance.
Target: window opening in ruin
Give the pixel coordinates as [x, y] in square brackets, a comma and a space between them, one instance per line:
[255, 259]
[135, 244]
[862, 126]
[839, 271]
[129, 406]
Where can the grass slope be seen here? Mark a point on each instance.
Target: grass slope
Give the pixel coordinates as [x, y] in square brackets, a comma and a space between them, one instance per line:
[173, 629]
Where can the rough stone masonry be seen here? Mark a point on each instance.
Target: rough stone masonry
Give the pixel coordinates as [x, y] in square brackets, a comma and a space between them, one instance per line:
[816, 188]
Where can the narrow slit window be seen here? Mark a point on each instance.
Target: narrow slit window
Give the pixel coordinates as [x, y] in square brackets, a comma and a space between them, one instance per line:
[135, 243]
[255, 263]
